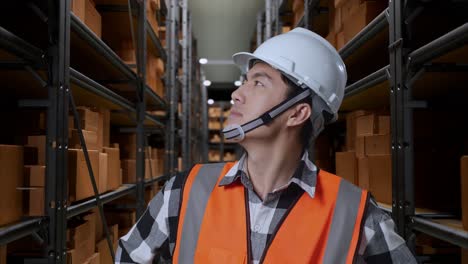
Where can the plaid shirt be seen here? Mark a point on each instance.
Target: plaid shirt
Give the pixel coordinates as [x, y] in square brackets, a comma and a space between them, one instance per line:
[156, 231]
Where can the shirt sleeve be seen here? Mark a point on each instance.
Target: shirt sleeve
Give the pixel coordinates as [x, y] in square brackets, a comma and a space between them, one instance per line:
[150, 234]
[380, 243]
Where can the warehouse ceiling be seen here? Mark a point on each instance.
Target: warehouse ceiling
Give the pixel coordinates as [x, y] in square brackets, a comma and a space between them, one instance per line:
[222, 28]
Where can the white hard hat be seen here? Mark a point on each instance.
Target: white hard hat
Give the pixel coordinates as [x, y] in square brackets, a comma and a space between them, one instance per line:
[306, 58]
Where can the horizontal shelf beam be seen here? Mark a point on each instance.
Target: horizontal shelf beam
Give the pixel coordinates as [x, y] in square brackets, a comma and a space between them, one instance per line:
[19, 47]
[368, 32]
[155, 97]
[452, 40]
[367, 82]
[19, 230]
[443, 232]
[149, 182]
[84, 32]
[75, 210]
[156, 41]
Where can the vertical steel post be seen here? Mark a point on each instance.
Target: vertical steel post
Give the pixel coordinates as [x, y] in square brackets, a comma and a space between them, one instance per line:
[189, 94]
[141, 108]
[185, 81]
[204, 116]
[267, 19]
[259, 28]
[57, 128]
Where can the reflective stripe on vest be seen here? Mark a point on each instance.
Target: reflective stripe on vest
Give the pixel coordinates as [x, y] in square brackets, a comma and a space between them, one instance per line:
[213, 223]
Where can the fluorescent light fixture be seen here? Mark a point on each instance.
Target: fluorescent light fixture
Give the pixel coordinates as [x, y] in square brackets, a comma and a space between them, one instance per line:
[203, 60]
[207, 83]
[237, 83]
[210, 101]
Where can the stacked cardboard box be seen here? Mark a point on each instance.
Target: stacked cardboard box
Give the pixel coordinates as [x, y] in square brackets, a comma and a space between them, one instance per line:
[152, 7]
[367, 161]
[3, 254]
[124, 219]
[464, 190]
[11, 175]
[86, 11]
[80, 240]
[214, 156]
[34, 194]
[349, 17]
[298, 11]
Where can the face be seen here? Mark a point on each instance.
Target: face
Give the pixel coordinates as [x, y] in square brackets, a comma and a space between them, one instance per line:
[262, 90]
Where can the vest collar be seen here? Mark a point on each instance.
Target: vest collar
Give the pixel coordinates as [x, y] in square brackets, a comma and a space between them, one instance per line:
[305, 179]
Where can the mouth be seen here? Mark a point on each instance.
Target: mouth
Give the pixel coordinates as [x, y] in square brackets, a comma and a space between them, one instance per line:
[234, 113]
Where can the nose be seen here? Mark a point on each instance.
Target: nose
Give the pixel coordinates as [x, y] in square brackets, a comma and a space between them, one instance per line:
[238, 96]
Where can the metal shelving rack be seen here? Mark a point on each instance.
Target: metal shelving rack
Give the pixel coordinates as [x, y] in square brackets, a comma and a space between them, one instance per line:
[394, 84]
[62, 86]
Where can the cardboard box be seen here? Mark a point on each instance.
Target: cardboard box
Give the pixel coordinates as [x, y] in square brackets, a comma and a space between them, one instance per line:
[11, 176]
[127, 143]
[340, 40]
[367, 125]
[378, 145]
[90, 137]
[380, 177]
[99, 234]
[114, 177]
[80, 186]
[366, 12]
[346, 166]
[331, 38]
[81, 244]
[384, 127]
[103, 172]
[104, 253]
[78, 8]
[351, 128]
[103, 133]
[91, 218]
[464, 255]
[3, 254]
[337, 22]
[94, 259]
[349, 8]
[363, 173]
[123, 218]
[360, 145]
[151, 9]
[129, 170]
[39, 142]
[93, 18]
[464, 190]
[34, 176]
[36, 199]
[88, 119]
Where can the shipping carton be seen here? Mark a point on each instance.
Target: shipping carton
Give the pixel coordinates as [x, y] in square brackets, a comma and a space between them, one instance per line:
[363, 15]
[39, 142]
[34, 176]
[346, 166]
[92, 18]
[377, 145]
[88, 118]
[90, 138]
[103, 172]
[380, 177]
[363, 173]
[114, 177]
[351, 128]
[11, 175]
[80, 186]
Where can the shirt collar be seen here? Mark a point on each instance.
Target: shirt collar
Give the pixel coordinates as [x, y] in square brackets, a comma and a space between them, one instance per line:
[305, 175]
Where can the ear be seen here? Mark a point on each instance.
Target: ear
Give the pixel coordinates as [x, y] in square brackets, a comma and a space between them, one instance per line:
[299, 114]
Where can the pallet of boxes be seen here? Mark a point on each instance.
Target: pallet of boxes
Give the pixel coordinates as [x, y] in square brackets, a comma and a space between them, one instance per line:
[367, 161]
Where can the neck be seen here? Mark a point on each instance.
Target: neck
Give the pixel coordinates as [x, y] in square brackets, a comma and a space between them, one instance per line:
[271, 165]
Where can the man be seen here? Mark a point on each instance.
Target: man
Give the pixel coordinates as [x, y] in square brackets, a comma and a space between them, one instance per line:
[273, 205]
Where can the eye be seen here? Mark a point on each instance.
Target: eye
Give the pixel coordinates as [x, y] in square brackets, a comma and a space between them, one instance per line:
[257, 83]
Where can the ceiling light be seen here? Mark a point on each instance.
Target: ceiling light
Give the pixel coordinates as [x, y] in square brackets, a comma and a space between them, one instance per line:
[207, 83]
[210, 101]
[203, 60]
[232, 102]
[237, 83]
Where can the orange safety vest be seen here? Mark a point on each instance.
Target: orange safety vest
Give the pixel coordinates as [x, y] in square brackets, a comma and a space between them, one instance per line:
[214, 222]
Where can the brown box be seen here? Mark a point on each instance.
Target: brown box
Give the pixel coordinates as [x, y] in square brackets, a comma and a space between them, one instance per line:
[464, 255]
[90, 138]
[34, 176]
[80, 186]
[360, 145]
[114, 178]
[129, 170]
[103, 132]
[3, 254]
[88, 119]
[36, 200]
[363, 172]
[127, 143]
[384, 125]
[340, 40]
[93, 18]
[91, 218]
[78, 8]
[94, 259]
[81, 244]
[367, 125]
[11, 177]
[337, 21]
[346, 166]
[349, 8]
[123, 218]
[377, 145]
[366, 12]
[151, 9]
[103, 172]
[104, 253]
[331, 38]
[38, 142]
[380, 178]
[464, 190]
[351, 128]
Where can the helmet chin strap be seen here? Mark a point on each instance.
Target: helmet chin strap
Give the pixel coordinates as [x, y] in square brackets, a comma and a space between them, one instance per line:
[237, 132]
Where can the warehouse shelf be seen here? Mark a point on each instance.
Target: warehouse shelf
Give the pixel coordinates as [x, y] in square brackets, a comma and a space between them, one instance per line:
[370, 92]
[77, 209]
[20, 48]
[445, 229]
[21, 229]
[88, 47]
[149, 182]
[441, 46]
[366, 35]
